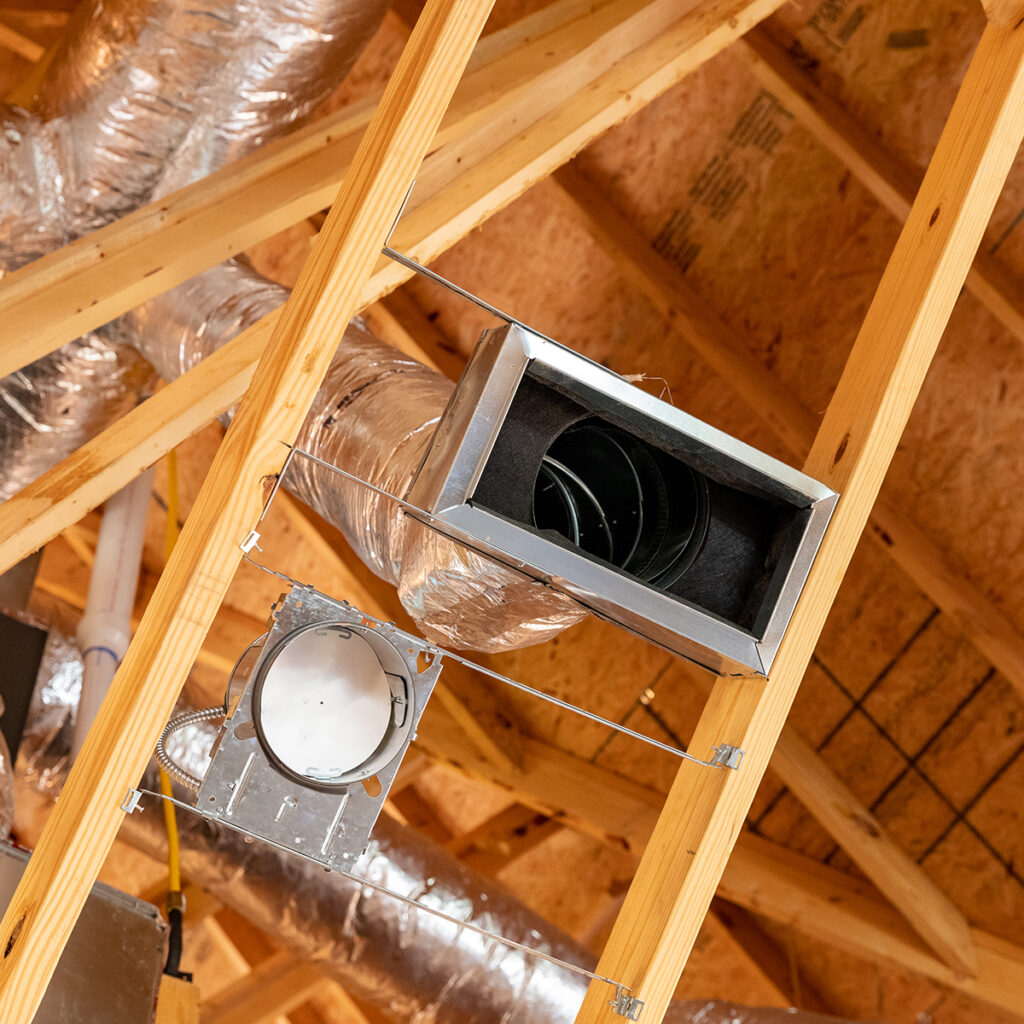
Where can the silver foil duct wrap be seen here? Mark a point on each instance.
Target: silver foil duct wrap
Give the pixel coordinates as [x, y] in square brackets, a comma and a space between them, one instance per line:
[44, 755]
[33, 219]
[373, 417]
[51, 407]
[143, 97]
[161, 92]
[56, 404]
[415, 967]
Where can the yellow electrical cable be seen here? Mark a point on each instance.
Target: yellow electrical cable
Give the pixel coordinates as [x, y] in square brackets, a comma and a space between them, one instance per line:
[170, 818]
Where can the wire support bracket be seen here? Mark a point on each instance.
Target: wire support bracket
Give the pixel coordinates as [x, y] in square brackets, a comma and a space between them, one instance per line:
[724, 755]
[626, 1005]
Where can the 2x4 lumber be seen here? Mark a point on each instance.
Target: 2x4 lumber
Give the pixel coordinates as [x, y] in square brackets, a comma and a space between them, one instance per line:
[930, 912]
[493, 176]
[785, 887]
[102, 275]
[17, 42]
[892, 182]
[275, 986]
[729, 356]
[892, 870]
[82, 826]
[704, 811]
[1007, 13]
[781, 970]
[177, 1002]
[828, 905]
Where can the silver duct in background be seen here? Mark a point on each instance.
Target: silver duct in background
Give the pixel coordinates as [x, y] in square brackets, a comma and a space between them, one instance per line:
[142, 97]
[161, 92]
[373, 417]
[415, 967]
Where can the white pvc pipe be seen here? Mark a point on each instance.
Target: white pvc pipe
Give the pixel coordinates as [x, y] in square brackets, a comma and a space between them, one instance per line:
[106, 627]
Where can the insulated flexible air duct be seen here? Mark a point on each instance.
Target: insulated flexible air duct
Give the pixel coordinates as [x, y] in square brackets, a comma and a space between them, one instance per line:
[415, 967]
[374, 417]
[122, 124]
[142, 97]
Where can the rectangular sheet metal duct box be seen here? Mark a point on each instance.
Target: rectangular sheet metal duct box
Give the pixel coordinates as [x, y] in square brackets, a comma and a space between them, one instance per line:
[110, 969]
[649, 517]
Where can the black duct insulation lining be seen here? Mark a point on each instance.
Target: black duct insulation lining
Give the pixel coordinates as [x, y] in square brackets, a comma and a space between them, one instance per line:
[730, 574]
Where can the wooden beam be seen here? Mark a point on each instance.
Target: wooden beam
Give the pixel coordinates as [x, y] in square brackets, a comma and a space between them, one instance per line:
[729, 356]
[177, 1002]
[896, 874]
[16, 41]
[493, 173]
[397, 318]
[704, 810]
[82, 826]
[783, 886]
[277, 985]
[893, 182]
[516, 79]
[780, 969]
[1007, 13]
[828, 905]
[503, 838]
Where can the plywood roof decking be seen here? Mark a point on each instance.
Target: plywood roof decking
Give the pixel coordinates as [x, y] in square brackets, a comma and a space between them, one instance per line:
[914, 720]
[787, 248]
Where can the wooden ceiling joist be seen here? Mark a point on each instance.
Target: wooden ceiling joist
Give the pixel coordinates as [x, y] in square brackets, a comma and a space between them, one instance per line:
[703, 814]
[82, 826]
[277, 985]
[480, 175]
[1007, 13]
[568, 85]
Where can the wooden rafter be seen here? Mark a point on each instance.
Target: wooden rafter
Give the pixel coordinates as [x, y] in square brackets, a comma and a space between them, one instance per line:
[1006, 13]
[81, 828]
[277, 985]
[699, 825]
[493, 172]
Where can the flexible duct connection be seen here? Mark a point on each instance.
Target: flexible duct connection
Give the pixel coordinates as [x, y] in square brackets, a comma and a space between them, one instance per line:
[373, 417]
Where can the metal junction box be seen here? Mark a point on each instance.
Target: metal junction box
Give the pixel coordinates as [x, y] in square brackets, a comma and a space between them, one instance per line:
[647, 516]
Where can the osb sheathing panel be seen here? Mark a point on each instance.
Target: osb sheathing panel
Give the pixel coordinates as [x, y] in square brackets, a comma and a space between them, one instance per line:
[787, 247]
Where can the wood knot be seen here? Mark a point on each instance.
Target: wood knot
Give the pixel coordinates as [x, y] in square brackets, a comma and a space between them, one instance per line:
[841, 450]
[934, 217]
[15, 932]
